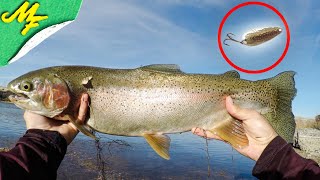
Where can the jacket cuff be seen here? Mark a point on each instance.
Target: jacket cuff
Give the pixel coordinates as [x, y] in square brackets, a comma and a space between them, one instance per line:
[56, 141]
[267, 157]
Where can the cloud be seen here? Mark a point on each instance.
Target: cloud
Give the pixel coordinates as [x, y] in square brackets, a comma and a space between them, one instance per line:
[125, 33]
[120, 34]
[296, 12]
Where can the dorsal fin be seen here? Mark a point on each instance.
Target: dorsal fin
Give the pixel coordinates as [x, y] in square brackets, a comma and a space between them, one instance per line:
[162, 67]
[232, 74]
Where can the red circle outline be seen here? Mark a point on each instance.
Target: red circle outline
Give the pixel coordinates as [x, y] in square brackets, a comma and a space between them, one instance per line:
[260, 4]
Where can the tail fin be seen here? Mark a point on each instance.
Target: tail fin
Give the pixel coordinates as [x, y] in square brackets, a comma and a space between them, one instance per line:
[282, 120]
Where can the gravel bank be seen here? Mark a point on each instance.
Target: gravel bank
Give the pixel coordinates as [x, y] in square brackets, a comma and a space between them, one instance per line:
[309, 141]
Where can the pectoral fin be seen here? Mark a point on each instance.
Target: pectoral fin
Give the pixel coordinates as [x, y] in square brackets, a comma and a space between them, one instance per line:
[160, 144]
[231, 130]
[82, 128]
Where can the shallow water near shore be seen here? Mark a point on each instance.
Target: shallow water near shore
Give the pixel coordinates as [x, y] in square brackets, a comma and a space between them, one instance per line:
[137, 161]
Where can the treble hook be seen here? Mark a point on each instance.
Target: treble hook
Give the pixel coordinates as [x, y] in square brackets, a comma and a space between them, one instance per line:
[231, 39]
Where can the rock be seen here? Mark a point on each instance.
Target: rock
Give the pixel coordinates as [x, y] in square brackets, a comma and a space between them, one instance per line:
[309, 141]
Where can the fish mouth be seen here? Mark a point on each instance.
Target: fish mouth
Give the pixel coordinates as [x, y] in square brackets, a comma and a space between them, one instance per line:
[18, 97]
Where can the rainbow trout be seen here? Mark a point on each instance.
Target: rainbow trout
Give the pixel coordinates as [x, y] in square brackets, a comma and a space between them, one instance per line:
[155, 100]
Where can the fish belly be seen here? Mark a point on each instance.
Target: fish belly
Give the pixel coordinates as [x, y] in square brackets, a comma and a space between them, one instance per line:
[133, 112]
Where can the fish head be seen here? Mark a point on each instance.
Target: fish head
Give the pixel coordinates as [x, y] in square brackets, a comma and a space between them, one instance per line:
[40, 92]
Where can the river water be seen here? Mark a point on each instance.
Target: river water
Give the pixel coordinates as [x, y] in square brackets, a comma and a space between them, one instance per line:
[132, 158]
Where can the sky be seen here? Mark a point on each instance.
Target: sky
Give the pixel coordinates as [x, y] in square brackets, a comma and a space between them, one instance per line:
[132, 33]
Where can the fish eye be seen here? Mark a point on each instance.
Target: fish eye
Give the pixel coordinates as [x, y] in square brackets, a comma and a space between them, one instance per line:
[25, 86]
[280, 29]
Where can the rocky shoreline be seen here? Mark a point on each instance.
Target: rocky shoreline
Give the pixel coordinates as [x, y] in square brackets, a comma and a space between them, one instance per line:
[309, 141]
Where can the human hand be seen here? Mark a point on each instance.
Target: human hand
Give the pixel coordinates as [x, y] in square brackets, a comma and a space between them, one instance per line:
[65, 128]
[258, 130]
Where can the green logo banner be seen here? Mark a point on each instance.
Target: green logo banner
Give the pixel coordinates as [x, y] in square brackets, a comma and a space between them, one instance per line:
[25, 24]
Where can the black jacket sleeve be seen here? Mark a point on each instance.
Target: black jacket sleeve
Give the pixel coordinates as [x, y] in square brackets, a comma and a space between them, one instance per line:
[37, 155]
[280, 161]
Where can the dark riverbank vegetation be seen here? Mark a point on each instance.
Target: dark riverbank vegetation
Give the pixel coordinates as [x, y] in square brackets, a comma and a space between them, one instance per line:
[4, 94]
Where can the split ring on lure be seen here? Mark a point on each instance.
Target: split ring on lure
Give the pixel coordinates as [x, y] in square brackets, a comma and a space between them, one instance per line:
[256, 37]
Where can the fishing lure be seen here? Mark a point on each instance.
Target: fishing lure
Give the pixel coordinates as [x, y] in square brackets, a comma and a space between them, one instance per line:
[256, 37]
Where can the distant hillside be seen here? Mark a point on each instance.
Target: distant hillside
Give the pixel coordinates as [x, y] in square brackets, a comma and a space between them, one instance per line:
[307, 123]
[298, 118]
